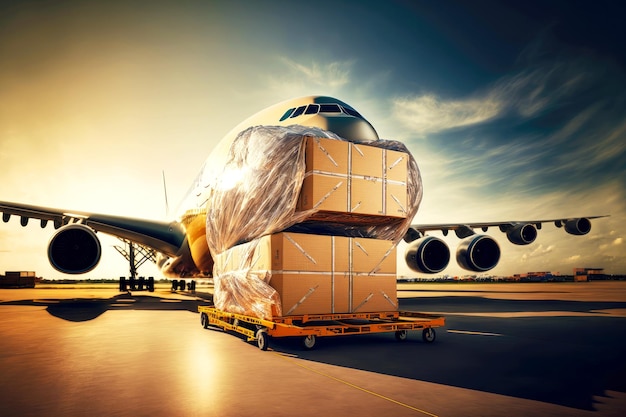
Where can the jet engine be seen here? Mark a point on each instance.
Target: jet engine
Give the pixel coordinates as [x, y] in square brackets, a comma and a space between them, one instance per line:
[74, 249]
[478, 253]
[578, 227]
[521, 234]
[427, 254]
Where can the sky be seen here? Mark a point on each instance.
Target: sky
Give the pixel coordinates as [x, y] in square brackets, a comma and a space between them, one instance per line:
[513, 110]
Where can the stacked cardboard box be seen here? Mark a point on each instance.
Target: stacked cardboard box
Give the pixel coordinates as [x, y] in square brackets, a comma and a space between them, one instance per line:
[348, 189]
[353, 180]
[316, 274]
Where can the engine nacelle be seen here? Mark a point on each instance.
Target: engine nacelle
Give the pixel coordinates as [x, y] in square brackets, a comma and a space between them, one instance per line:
[427, 254]
[578, 227]
[522, 234]
[478, 253]
[74, 249]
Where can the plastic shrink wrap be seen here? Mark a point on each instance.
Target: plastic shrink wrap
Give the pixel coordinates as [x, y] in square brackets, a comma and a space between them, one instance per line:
[256, 194]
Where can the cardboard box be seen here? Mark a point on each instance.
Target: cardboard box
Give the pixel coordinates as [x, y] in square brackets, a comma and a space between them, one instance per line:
[307, 253]
[324, 192]
[317, 274]
[366, 196]
[354, 179]
[366, 161]
[372, 256]
[326, 155]
[396, 200]
[300, 252]
[396, 166]
[315, 293]
[373, 293]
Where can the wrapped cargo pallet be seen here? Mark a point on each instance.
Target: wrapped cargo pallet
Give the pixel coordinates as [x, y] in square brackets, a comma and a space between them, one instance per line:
[311, 274]
[262, 188]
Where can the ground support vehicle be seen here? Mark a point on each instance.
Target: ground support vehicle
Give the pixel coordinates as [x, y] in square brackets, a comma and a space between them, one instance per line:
[311, 326]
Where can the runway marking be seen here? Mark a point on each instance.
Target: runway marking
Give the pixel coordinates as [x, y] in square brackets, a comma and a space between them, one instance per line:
[523, 314]
[474, 333]
[291, 358]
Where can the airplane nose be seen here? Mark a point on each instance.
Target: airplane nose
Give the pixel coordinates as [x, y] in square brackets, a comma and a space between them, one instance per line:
[351, 128]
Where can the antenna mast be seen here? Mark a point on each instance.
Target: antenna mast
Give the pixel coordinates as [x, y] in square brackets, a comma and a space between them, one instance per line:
[167, 205]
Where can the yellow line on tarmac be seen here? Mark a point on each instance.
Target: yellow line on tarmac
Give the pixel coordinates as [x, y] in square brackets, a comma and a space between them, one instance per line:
[290, 358]
[474, 333]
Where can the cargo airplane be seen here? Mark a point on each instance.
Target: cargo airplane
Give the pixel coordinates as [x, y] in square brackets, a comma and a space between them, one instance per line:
[181, 246]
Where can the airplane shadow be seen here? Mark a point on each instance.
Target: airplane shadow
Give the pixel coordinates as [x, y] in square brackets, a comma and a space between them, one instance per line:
[564, 360]
[85, 309]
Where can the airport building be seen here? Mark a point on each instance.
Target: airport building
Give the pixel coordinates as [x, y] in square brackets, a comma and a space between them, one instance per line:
[535, 276]
[588, 274]
[18, 279]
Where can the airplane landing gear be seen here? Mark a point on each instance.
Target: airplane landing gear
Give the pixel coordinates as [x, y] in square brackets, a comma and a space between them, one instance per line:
[182, 285]
[133, 284]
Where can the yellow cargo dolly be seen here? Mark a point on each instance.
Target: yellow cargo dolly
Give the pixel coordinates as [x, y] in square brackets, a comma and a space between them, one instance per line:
[311, 326]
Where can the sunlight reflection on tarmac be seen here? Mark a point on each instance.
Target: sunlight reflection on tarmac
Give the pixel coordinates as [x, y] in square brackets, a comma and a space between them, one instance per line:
[507, 349]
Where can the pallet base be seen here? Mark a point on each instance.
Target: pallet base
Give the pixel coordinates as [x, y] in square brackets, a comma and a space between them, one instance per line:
[321, 325]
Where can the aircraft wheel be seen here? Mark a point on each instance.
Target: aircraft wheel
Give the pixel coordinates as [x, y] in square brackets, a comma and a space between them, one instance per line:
[204, 320]
[309, 341]
[401, 335]
[262, 339]
[429, 335]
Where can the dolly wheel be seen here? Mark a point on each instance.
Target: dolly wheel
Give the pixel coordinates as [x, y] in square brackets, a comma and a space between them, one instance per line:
[262, 339]
[429, 335]
[309, 341]
[401, 335]
[204, 320]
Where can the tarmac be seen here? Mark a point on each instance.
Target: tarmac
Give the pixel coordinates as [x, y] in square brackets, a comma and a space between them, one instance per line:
[549, 349]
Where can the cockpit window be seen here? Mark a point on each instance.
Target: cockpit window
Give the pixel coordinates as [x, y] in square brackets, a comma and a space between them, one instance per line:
[320, 108]
[287, 114]
[351, 112]
[298, 111]
[330, 108]
[312, 109]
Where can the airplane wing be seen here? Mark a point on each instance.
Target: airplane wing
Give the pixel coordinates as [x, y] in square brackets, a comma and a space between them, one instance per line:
[477, 252]
[164, 237]
[576, 226]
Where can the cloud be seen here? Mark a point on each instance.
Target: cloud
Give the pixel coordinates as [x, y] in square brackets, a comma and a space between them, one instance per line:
[429, 113]
[590, 140]
[539, 251]
[527, 93]
[295, 78]
[615, 242]
[333, 74]
[611, 142]
[573, 259]
[531, 91]
[540, 129]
